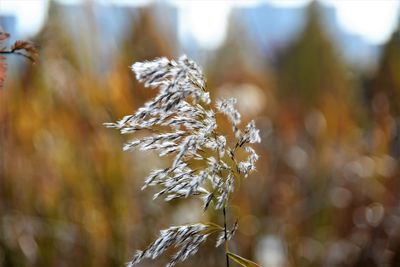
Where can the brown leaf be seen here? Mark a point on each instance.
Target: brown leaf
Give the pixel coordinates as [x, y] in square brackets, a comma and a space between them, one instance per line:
[28, 47]
[24, 45]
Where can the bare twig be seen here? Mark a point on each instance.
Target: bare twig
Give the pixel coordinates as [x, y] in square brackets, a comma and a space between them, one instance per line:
[8, 52]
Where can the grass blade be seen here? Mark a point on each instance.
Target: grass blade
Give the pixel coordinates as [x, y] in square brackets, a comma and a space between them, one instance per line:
[242, 261]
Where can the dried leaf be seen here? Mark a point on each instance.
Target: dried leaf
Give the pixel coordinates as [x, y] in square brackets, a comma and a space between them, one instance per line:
[27, 47]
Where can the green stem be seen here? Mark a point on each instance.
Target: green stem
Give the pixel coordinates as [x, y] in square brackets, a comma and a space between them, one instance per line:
[226, 239]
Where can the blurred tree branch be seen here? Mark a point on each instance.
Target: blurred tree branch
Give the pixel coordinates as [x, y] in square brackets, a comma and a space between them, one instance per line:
[22, 48]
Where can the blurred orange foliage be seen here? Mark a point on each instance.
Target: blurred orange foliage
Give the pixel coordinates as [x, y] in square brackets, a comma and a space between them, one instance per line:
[326, 192]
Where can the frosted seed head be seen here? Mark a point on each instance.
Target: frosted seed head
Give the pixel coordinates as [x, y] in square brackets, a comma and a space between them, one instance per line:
[181, 123]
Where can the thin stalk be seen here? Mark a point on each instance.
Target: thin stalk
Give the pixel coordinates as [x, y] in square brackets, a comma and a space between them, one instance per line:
[12, 52]
[226, 239]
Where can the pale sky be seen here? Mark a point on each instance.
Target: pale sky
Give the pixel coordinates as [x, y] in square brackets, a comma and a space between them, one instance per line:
[374, 20]
[207, 21]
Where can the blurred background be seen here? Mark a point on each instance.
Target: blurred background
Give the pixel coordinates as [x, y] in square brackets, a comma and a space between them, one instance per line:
[321, 79]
